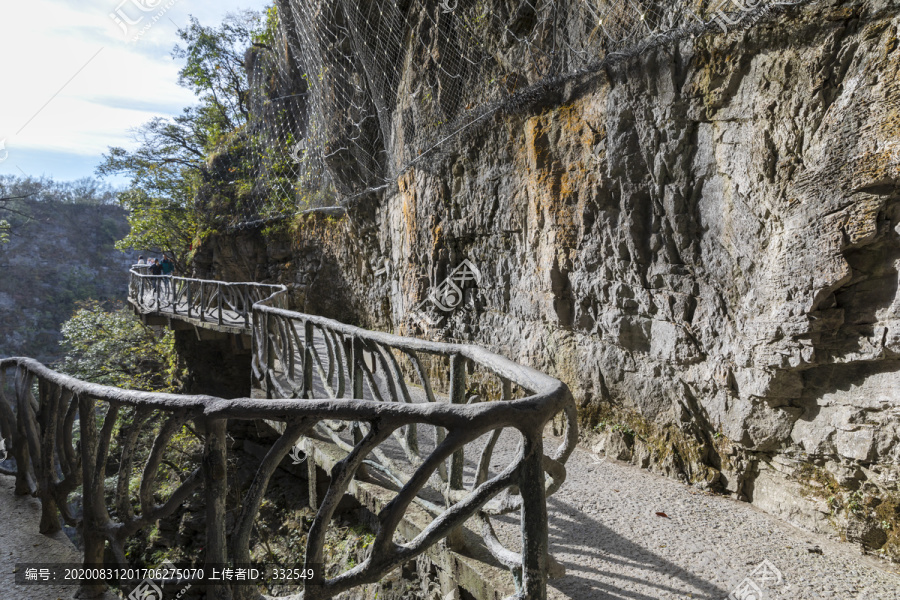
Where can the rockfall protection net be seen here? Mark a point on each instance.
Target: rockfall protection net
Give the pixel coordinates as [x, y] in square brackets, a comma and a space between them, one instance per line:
[349, 94]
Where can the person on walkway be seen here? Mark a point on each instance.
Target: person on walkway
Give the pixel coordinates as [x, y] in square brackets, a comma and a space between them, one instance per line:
[141, 260]
[167, 267]
[156, 272]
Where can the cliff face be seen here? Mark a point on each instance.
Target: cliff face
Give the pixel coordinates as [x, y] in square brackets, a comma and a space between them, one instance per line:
[705, 246]
[62, 255]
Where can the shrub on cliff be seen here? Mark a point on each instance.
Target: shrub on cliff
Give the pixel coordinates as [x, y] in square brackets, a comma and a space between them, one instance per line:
[110, 346]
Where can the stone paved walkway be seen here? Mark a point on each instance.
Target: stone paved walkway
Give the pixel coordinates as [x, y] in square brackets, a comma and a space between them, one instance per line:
[21, 542]
[605, 530]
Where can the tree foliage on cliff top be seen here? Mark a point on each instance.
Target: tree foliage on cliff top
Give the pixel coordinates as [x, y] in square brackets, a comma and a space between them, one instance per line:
[171, 161]
[214, 67]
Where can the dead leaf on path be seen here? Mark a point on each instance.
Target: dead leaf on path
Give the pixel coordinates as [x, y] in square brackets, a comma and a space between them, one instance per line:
[662, 514]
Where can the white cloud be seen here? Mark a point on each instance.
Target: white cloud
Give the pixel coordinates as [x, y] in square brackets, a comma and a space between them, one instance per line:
[96, 82]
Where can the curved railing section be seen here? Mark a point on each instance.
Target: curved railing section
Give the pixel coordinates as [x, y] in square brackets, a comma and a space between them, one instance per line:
[455, 429]
[217, 302]
[449, 471]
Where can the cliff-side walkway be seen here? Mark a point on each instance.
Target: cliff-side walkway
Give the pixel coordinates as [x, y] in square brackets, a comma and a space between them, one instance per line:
[605, 530]
[624, 533]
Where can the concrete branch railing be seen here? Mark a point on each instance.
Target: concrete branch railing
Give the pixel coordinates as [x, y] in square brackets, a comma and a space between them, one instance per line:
[369, 392]
[303, 356]
[210, 301]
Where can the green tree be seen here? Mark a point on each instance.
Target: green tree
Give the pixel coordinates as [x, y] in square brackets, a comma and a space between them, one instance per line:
[171, 161]
[112, 347]
[214, 67]
[160, 208]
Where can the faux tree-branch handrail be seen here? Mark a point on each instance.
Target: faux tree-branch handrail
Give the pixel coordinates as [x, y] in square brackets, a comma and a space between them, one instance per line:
[444, 415]
[296, 356]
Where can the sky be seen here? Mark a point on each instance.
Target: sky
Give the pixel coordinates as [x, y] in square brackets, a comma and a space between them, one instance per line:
[78, 76]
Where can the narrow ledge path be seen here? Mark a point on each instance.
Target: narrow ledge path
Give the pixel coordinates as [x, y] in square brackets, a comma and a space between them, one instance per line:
[20, 542]
[604, 529]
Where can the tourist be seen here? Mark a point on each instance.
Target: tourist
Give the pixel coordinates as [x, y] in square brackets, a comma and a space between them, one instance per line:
[156, 272]
[167, 267]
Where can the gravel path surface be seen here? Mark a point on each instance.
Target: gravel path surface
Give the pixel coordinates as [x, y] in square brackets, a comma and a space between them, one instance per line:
[20, 542]
[605, 530]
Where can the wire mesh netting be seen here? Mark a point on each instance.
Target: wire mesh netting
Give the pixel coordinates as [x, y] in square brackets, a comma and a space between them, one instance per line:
[349, 94]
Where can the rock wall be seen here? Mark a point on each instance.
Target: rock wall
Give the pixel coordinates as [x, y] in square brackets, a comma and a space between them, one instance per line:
[215, 365]
[704, 245]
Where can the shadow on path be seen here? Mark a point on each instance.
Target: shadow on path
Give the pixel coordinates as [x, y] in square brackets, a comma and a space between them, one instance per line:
[572, 532]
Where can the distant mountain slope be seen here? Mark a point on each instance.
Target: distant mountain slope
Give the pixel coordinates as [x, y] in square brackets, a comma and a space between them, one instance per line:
[63, 255]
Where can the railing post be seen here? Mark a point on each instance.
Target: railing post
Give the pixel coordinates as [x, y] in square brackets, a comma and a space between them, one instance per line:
[92, 501]
[534, 517]
[190, 298]
[256, 353]
[202, 304]
[308, 341]
[49, 398]
[140, 298]
[356, 374]
[174, 295]
[248, 306]
[311, 475]
[356, 371]
[219, 300]
[289, 352]
[457, 396]
[455, 539]
[270, 354]
[24, 482]
[215, 476]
